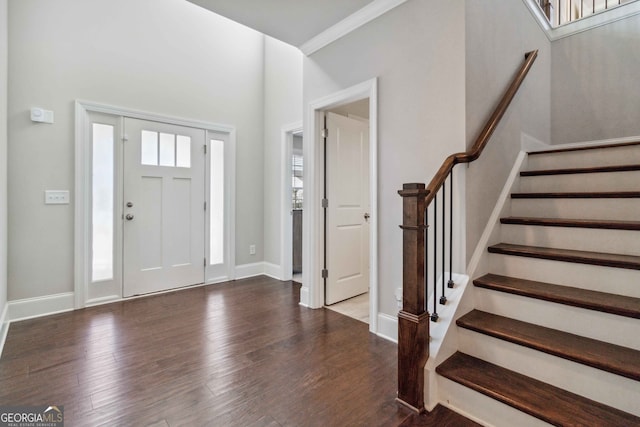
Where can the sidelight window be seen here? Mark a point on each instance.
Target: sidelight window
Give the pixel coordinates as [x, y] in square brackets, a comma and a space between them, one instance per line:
[103, 201]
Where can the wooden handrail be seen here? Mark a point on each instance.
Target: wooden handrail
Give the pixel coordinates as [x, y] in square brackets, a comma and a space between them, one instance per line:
[482, 140]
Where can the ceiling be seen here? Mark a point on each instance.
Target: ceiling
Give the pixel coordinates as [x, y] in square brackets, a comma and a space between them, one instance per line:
[292, 21]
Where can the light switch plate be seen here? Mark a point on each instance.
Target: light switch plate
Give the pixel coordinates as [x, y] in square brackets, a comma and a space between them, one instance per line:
[56, 197]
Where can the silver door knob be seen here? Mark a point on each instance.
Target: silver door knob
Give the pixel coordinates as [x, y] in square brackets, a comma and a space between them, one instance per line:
[129, 217]
[367, 216]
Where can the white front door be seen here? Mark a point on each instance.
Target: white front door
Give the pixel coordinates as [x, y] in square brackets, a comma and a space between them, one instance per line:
[164, 210]
[347, 230]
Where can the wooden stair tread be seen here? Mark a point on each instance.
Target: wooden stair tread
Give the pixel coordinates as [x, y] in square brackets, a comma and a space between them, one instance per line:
[571, 171]
[573, 223]
[597, 354]
[584, 148]
[569, 255]
[593, 300]
[541, 400]
[579, 195]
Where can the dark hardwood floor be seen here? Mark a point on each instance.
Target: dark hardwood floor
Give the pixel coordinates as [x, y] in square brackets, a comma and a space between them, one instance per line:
[237, 354]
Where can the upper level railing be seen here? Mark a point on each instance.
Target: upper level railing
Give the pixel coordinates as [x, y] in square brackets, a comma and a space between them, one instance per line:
[413, 319]
[560, 12]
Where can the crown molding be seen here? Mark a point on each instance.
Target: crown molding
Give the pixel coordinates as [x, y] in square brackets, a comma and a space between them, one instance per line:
[357, 19]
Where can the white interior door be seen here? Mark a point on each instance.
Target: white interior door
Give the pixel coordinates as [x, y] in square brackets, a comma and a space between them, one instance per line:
[164, 211]
[347, 232]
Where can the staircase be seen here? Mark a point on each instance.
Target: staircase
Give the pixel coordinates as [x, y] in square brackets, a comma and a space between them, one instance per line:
[555, 334]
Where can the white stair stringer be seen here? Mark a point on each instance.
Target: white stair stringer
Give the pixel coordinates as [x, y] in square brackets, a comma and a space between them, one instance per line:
[623, 242]
[566, 183]
[613, 280]
[442, 334]
[595, 384]
[611, 156]
[611, 328]
[483, 409]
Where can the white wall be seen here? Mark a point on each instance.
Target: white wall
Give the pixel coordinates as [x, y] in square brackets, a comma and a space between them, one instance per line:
[417, 52]
[3, 153]
[163, 56]
[282, 106]
[595, 83]
[496, 39]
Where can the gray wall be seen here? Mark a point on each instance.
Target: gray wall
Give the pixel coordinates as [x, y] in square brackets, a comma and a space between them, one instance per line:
[283, 106]
[417, 52]
[496, 40]
[596, 94]
[3, 153]
[163, 56]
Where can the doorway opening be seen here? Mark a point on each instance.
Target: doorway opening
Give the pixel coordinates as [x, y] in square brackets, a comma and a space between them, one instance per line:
[353, 221]
[293, 201]
[297, 199]
[347, 209]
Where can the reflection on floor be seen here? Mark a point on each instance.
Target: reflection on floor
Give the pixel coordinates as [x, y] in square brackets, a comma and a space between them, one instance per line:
[356, 307]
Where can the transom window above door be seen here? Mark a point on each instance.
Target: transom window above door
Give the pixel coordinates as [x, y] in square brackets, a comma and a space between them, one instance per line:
[165, 149]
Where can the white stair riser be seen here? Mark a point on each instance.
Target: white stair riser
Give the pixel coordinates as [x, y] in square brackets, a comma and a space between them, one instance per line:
[611, 209]
[587, 158]
[596, 240]
[611, 389]
[585, 182]
[484, 409]
[599, 326]
[596, 278]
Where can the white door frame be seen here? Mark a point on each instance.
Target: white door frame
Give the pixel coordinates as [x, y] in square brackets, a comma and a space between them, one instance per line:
[286, 219]
[312, 292]
[82, 208]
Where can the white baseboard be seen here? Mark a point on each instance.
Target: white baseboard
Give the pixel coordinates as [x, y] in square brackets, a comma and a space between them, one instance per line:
[245, 271]
[41, 306]
[4, 326]
[388, 327]
[273, 270]
[249, 270]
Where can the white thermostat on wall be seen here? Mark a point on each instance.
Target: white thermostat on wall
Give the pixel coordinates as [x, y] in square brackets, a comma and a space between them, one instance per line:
[41, 115]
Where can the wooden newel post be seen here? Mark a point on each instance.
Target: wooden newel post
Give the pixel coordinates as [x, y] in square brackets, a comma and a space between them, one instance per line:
[413, 319]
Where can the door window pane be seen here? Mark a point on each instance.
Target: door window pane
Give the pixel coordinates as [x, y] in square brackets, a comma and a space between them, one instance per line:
[167, 149]
[149, 145]
[216, 225]
[183, 151]
[102, 207]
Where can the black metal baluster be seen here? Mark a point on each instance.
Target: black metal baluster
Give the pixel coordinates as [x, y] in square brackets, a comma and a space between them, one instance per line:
[426, 258]
[450, 283]
[443, 298]
[434, 316]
